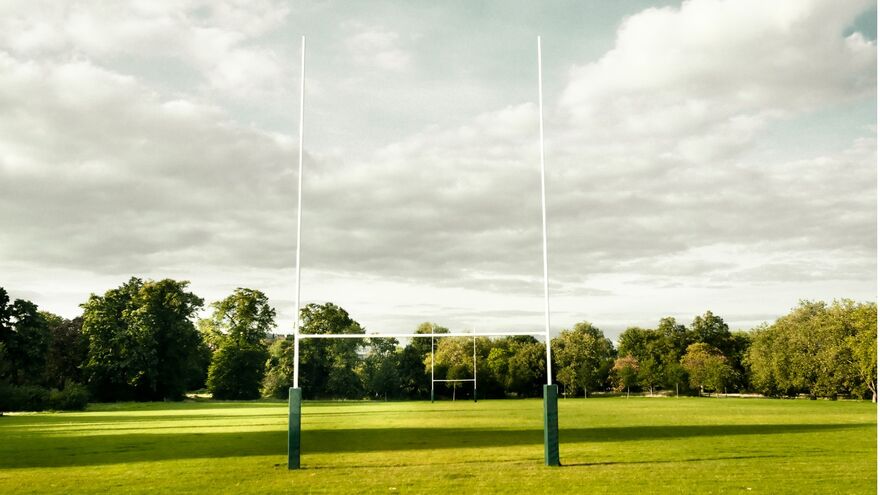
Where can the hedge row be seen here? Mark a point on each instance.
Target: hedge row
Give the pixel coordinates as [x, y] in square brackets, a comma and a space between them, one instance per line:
[73, 397]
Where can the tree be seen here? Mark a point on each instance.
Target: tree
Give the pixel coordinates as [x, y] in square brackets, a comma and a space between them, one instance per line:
[499, 364]
[797, 347]
[5, 336]
[4, 363]
[863, 346]
[568, 378]
[423, 344]
[379, 369]
[634, 342]
[5, 315]
[279, 369]
[488, 385]
[625, 372]
[141, 340]
[675, 376]
[651, 370]
[760, 361]
[40, 357]
[25, 335]
[706, 366]
[848, 356]
[244, 319]
[651, 350]
[415, 379]
[197, 373]
[237, 371]
[739, 342]
[673, 340]
[518, 364]
[782, 357]
[327, 366]
[453, 360]
[813, 350]
[583, 357]
[212, 335]
[67, 351]
[674, 337]
[711, 329]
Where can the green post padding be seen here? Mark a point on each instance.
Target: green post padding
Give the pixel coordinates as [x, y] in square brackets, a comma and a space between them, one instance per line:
[294, 428]
[432, 396]
[551, 426]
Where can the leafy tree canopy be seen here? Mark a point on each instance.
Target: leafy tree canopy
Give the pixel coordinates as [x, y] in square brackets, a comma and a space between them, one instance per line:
[141, 340]
[242, 320]
[583, 358]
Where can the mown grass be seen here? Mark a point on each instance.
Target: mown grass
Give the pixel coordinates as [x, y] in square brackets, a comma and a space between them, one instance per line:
[609, 445]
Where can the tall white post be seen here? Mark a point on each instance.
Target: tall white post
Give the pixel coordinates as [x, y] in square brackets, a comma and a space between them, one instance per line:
[299, 208]
[475, 364]
[432, 365]
[544, 217]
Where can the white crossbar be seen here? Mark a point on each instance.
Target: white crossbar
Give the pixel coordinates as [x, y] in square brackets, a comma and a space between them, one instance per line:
[409, 335]
[462, 380]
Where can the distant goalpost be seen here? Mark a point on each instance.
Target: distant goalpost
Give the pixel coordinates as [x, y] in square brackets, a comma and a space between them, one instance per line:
[551, 415]
[457, 380]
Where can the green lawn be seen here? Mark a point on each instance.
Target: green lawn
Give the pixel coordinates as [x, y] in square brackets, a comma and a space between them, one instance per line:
[613, 445]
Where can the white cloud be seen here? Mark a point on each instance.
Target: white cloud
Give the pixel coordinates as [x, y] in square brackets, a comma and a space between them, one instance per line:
[125, 177]
[216, 39]
[719, 69]
[375, 46]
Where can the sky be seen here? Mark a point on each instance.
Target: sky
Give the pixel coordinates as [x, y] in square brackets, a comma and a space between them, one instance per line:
[701, 155]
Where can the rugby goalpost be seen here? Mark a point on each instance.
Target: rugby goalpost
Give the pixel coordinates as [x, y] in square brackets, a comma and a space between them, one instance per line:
[551, 414]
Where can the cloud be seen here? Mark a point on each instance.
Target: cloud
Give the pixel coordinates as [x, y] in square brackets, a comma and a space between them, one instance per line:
[100, 171]
[678, 71]
[666, 119]
[215, 40]
[375, 46]
[656, 185]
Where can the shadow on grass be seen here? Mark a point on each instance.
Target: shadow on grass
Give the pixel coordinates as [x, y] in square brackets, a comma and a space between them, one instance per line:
[671, 461]
[63, 424]
[531, 462]
[36, 450]
[111, 418]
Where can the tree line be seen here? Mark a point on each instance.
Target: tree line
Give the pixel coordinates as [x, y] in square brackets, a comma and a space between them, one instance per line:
[143, 341]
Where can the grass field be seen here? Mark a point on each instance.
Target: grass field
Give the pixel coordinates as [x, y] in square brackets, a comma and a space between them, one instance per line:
[609, 445]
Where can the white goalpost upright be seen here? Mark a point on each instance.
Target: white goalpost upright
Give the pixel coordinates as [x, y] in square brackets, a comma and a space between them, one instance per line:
[551, 408]
[551, 428]
[544, 214]
[299, 207]
[294, 414]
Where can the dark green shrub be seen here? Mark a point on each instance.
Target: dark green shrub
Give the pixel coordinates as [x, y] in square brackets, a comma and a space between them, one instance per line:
[32, 398]
[23, 398]
[74, 397]
[5, 396]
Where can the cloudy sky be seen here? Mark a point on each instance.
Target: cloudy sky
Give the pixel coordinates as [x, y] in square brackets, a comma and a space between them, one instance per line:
[701, 155]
